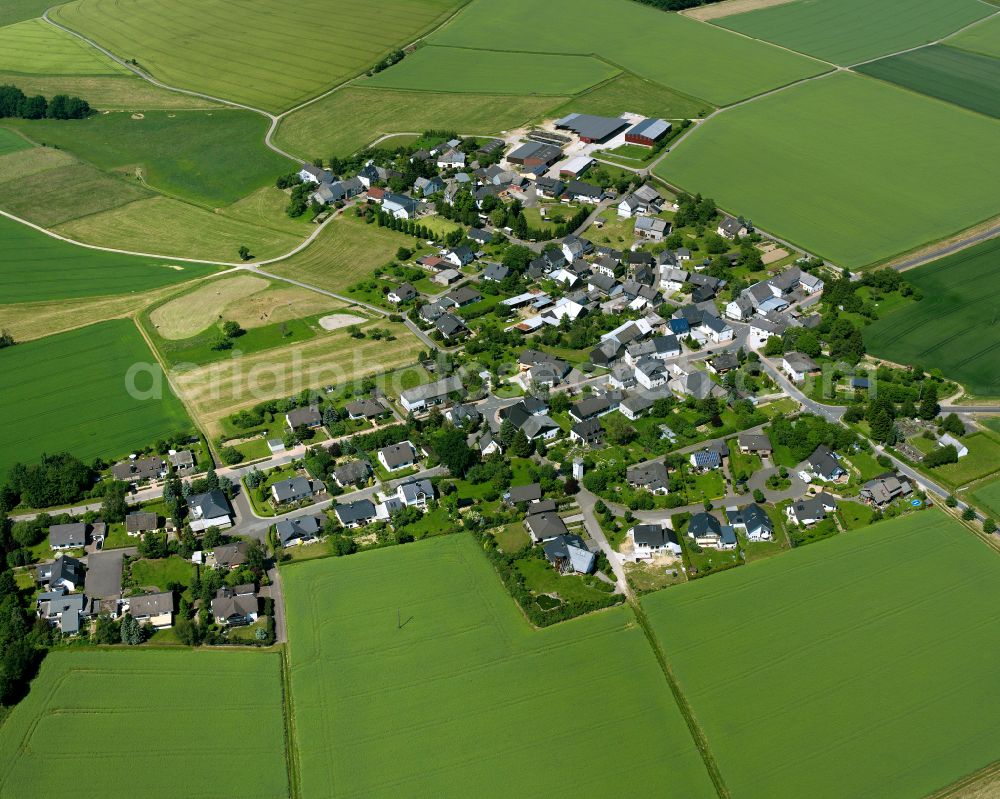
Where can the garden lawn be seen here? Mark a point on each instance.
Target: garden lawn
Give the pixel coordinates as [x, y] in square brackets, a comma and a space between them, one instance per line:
[209, 157]
[626, 34]
[35, 47]
[67, 393]
[541, 578]
[354, 117]
[199, 702]
[36, 267]
[837, 652]
[987, 496]
[161, 573]
[855, 515]
[953, 327]
[628, 92]
[458, 69]
[465, 701]
[982, 461]
[248, 52]
[956, 76]
[849, 31]
[815, 144]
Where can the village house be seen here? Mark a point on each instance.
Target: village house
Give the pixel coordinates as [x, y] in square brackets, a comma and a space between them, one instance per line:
[824, 465]
[752, 520]
[429, 394]
[67, 536]
[230, 556]
[708, 531]
[355, 514]
[754, 444]
[156, 609]
[589, 432]
[352, 473]
[731, 228]
[798, 366]
[64, 572]
[544, 526]
[526, 493]
[295, 489]
[138, 523]
[399, 206]
[404, 292]
[651, 541]
[237, 606]
[139, 470]
[415, 493]
[182, 461]
[883, 490]
[210, 509]
[303, 417]
[65, 611]
[651, 228]
[302, 530]
[365, 409]
[810, 510]
[398, 456]
[652, 477]
[568, 554]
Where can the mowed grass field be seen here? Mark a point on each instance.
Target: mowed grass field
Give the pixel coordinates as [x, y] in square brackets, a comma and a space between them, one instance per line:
[209, 157]
[216, 390]
[463, 696]
[458, 69]
[345, 252]
[987, 496]
[254, 52]
[352, 118]
[11, 142]
[983, 38]
[68, 393]
[956, 76]
[35, 267]
[667, 48]
[845, 166]
[195, 704]
[162, 225]
[34, 46]
[860, 666]
[107, 92]
[850, 31]
[954, 327]
[630, 93]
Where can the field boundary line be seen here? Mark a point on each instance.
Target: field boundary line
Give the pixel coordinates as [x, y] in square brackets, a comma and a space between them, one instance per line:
[968, 781]
[700, 741]
[288, 716]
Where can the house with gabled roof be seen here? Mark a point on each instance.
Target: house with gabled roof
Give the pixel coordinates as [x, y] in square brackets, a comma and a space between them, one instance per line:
[355, 514]
[708, 531]
[67, 536]
[731, 227]
[545, 526]
[653, 477]
[210, 509]
[235, 606]
[752, 520]
[64, 572]
[883, 490]
[302, 530]
[352, 473]
[398, 456]
[568, 554]
[824, 464]
[798, 366]
[811, 510]
[295, 489]
[653, 540]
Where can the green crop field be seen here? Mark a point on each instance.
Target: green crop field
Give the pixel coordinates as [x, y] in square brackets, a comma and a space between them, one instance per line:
[68, 393]
[848, 167]
[209, 157]
[458, 69]
[10, 142]
[957, 76]
[164, 226]
[249, 52]
[638, 95]
[987, 496]
[850, 31]
[107, 92]
[667, 48]
[953, 328]
[983, 38]
[859, 666]
[36, 267]
[197, 705]
[468, 690]
[17, 10]
[352, 118]
[35, 46]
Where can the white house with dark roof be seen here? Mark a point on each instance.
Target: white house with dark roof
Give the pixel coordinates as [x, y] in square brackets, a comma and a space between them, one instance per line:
[797, 366]
[810, 510]
[398, 456]
[210, 509]
[67, 536]
[651, 541]
[752, 520]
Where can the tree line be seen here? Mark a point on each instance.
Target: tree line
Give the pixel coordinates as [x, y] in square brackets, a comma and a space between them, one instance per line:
[15, 103]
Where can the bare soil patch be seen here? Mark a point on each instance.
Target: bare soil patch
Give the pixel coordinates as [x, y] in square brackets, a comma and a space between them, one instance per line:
[338, 320]
[730, 7]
